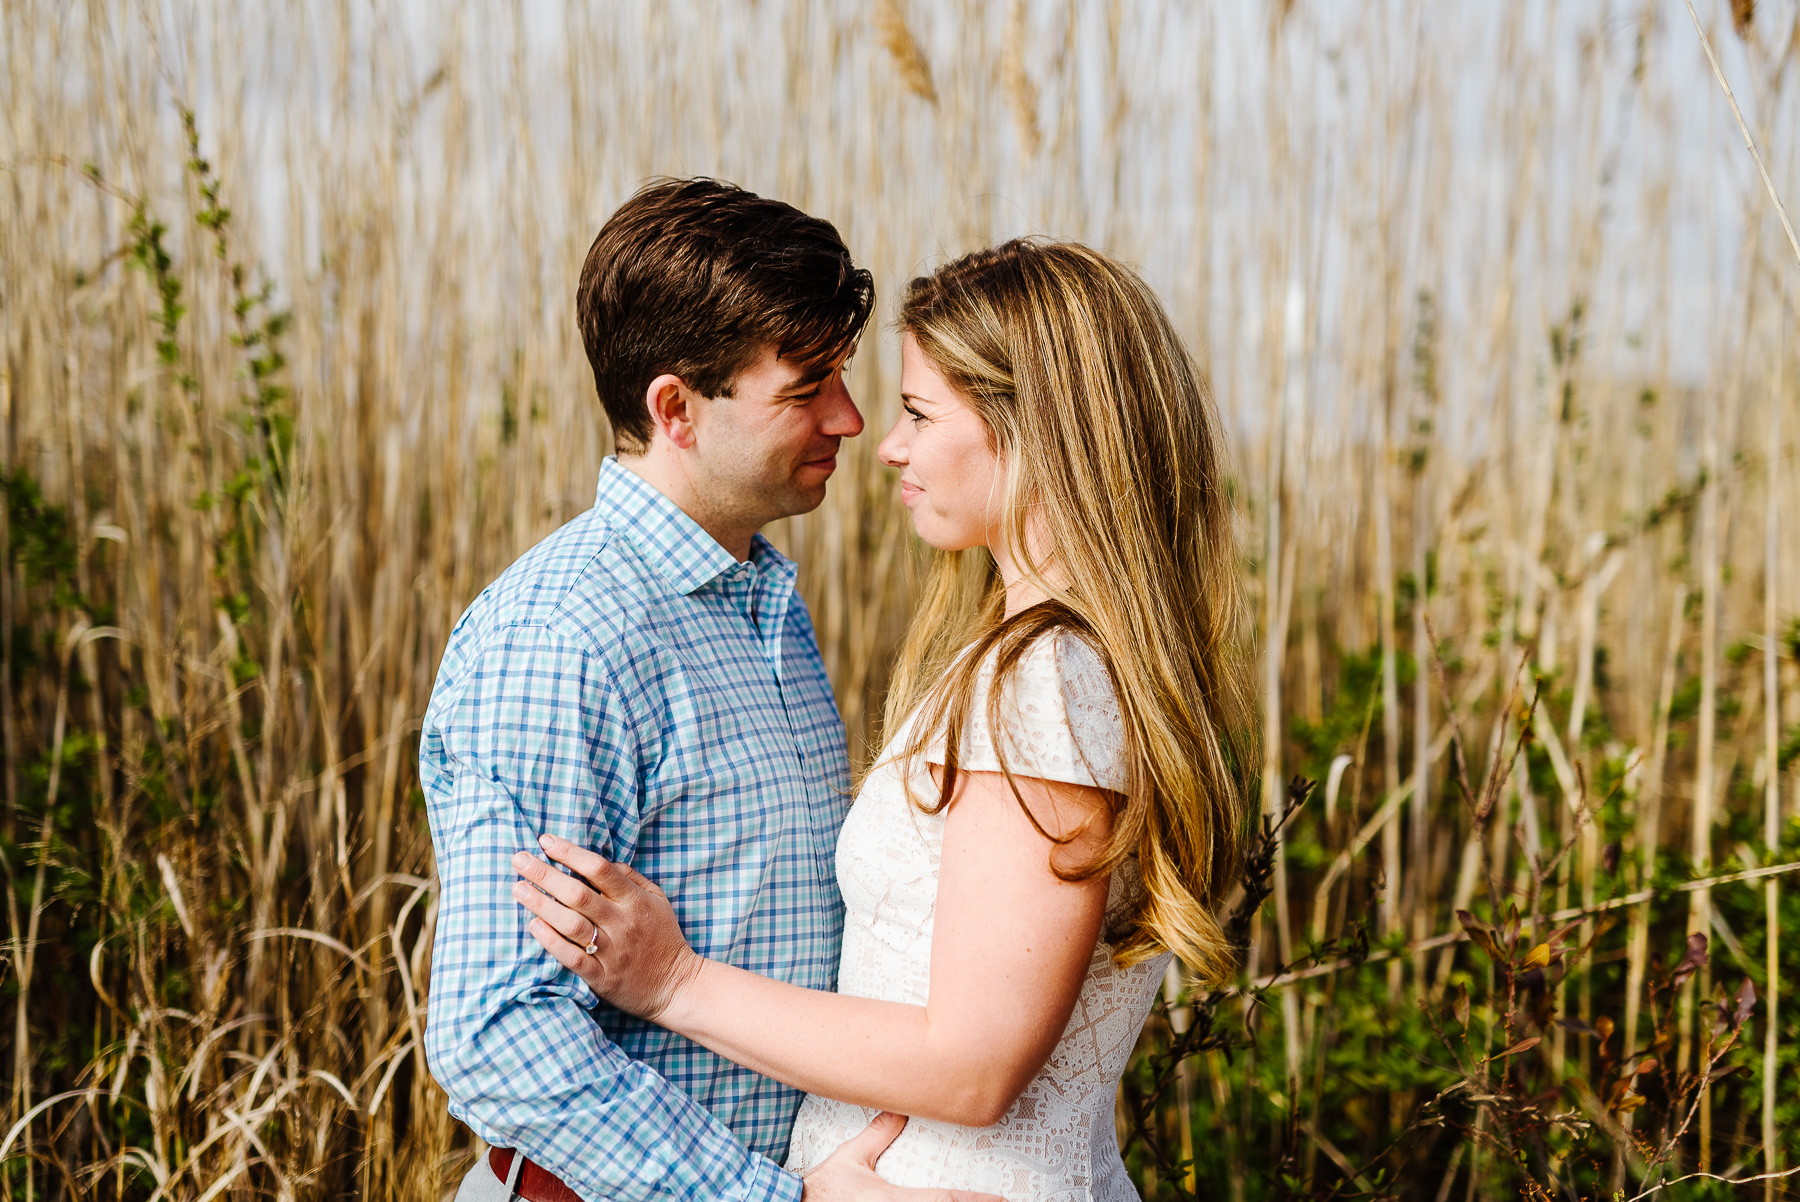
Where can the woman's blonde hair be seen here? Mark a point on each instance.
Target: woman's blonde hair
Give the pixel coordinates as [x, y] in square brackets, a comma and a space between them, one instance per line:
[1108, 432]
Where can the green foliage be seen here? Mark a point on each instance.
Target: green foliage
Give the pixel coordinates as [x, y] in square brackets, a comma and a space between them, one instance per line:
[1424, 350]
[1684, 703]
[1565, 338]
[1744, 910]
[42, 543]
[110, 785]
[1354, 704]
[146, 252]
[1501, 1058]
[1565, 355]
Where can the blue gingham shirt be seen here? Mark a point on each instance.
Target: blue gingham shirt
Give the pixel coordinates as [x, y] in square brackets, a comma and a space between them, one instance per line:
[630, 686]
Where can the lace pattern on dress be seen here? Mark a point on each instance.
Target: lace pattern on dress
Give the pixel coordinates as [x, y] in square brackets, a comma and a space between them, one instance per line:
[1062, 723]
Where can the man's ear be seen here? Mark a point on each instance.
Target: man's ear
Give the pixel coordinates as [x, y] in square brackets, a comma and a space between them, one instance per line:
[671, 408]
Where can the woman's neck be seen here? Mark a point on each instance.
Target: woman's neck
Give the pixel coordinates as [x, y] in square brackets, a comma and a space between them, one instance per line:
[1021, 592]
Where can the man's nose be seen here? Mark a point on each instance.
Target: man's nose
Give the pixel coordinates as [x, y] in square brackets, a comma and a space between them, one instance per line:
[843, 419]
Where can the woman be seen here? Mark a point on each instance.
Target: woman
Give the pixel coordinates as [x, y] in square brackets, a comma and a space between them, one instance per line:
[1058, 803]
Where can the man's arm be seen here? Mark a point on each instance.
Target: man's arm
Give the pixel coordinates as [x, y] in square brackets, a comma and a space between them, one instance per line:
[535, 740]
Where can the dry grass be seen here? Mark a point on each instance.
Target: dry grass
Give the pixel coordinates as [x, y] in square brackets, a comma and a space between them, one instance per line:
[1499, 320]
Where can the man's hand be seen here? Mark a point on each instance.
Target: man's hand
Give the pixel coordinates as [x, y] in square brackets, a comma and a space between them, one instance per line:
[848, 1174]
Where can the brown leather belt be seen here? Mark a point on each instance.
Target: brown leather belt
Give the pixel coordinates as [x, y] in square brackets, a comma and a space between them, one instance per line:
[535, 1183]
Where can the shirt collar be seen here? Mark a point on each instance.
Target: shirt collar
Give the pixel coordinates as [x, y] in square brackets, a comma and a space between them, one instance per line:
[687, 556]
[771, 564]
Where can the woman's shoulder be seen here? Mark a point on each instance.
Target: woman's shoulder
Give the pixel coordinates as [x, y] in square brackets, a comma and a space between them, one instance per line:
[1061, 714]
[1072, 661]
[1062, 670]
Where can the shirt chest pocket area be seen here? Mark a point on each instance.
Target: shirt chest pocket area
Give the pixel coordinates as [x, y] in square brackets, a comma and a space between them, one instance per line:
[723, 767]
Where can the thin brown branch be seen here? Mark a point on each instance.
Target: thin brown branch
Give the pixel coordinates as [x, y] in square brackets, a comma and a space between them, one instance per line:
[1278, 980]
[1749, 142]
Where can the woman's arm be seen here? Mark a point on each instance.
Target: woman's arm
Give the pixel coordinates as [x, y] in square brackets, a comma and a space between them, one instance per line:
[1010, 949]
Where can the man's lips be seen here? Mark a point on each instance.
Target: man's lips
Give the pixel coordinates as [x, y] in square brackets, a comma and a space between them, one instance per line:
[826, 462]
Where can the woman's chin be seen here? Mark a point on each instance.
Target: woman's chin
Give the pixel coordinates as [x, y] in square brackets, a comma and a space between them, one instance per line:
[938, 539]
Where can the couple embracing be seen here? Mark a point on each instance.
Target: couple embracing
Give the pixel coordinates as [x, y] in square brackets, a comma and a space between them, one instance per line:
[673, 960]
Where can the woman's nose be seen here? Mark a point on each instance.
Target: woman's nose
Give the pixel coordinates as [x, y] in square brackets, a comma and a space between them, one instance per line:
[893, 448]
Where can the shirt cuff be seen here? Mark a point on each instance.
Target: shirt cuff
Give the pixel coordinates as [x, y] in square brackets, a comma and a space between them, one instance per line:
[769, 1182]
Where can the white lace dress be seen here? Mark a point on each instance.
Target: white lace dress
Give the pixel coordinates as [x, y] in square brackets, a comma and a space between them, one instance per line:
[1057, 1142]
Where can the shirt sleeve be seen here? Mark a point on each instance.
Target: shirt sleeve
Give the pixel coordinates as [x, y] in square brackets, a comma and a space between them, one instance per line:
[534, 739]
[1058, 718]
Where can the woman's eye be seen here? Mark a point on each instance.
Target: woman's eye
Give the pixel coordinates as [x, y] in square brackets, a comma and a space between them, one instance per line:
[913, 413]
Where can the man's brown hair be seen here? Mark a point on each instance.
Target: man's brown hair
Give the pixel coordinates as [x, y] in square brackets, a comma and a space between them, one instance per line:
[694, 277]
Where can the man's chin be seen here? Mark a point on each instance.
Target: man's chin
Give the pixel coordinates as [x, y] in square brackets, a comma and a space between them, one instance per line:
[805, 499]
[803, 496]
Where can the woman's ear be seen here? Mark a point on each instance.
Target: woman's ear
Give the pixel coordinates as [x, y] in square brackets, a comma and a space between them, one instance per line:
[670, 405]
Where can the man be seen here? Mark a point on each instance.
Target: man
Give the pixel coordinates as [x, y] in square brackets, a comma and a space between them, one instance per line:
[645, 682]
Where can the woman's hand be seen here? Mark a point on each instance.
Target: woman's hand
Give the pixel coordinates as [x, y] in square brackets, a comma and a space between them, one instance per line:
[621, 936]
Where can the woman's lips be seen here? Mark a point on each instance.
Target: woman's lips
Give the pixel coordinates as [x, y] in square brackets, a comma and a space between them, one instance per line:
[908, 492]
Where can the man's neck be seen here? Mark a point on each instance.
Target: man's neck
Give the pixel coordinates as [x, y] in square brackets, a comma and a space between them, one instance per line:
[668, 475]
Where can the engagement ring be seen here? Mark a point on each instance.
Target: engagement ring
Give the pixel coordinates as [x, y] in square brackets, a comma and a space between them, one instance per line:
[593, 944]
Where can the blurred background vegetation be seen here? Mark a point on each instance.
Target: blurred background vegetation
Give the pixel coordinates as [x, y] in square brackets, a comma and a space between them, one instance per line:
[1500, 320]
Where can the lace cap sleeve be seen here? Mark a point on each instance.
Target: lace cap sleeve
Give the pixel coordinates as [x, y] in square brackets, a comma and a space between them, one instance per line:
[1059, 717]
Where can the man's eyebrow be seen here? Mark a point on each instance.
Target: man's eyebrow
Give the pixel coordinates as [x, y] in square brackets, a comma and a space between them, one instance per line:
[814, 375]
